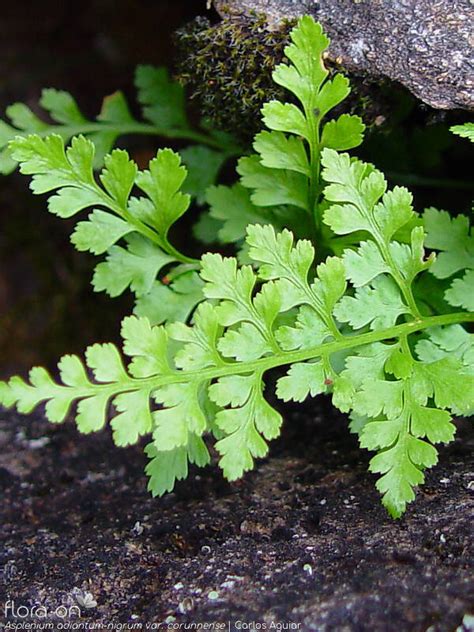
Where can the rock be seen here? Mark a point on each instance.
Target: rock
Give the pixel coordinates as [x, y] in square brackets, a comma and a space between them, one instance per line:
[426, 45]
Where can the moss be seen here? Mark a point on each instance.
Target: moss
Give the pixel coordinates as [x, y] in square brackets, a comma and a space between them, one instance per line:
[227, 69]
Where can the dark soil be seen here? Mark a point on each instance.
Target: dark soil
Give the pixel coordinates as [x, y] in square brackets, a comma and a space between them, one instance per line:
[303, 539]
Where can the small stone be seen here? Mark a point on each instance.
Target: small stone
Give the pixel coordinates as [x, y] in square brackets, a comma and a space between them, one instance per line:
[308, 569]
[228, 584]
[213, 595]
[36, 444]
[137, 528]
[467, 624]
[186, 605]
[437, 35]
[85, 599]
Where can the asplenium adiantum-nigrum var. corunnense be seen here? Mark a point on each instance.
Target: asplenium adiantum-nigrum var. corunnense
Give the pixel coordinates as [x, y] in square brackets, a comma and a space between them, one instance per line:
[326, 285]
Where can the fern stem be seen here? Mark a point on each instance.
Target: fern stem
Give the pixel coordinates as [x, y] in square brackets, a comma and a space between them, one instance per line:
[313, 120]
[142, 228]
[405, 288]
[122, 129]
[290, 357]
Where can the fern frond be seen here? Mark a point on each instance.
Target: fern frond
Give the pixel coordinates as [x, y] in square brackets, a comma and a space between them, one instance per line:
[285, 171]
[186, 382]
[164, 113]
[131, 230]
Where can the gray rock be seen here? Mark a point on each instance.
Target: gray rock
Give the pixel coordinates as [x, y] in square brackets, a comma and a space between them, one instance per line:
[426, 45]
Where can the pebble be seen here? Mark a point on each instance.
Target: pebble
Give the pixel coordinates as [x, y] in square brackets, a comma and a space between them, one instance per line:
[186, 605]
[84, 599]
[137, 528]
[228, 584]
[36, 444]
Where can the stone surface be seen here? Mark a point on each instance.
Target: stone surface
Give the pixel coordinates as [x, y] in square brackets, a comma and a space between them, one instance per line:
[427, 45]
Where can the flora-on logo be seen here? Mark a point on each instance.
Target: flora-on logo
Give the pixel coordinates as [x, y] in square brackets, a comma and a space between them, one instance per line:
[12, 611]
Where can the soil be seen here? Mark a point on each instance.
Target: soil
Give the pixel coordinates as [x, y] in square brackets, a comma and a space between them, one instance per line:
[302, 540]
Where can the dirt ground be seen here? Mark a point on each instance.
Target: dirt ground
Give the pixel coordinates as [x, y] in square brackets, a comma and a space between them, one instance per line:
[302, 540]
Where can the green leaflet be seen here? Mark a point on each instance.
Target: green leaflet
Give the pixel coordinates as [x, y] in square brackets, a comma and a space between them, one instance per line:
[465, 131]
[142, 222]
[135, 266]
[302, 379]
[113, 120]
[399, 420]
[361, 202]
[233, 209]
[173, 302]
[162, 99]
[461, 292]
[378, 305]
[70, 173]
[442, 342]
[453, 237]
[203, 165]
[165, 468]
[382, 272]
[407, 421]
[246, 425]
